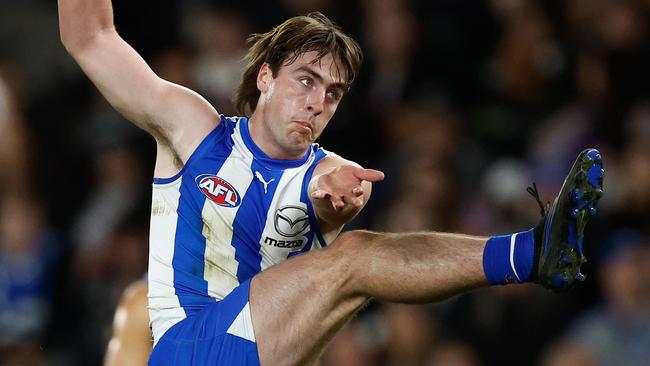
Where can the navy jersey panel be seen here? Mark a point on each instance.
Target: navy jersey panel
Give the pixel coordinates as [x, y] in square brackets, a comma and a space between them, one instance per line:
[220, 334]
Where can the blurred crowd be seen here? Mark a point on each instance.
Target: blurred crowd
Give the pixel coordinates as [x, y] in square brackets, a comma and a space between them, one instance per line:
[462, 103]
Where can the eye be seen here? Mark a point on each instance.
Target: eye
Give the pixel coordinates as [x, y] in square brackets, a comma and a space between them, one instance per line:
[333, 94]
[307, 81]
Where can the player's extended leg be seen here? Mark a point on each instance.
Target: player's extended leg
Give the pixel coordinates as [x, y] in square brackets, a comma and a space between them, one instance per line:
[298, 305]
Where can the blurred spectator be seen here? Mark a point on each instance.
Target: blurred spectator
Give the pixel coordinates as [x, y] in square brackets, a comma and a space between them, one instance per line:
[306, 6]
[220, 36]
[500, 202]
[29, 249]
[115, 195]
[523, 77]
[392, 38]
[635, 166]
[527, 56]
[410, 333]
[121, 261]
[354, 346]
[29, 252]
[453, 354]
[419, 189]
[15, 149]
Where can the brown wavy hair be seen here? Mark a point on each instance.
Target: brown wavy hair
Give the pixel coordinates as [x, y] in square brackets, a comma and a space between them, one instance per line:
[286, 42]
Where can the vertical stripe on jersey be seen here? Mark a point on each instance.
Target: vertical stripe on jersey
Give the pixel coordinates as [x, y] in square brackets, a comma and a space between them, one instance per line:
[251, 219]
[289, 189]
[164, 216]
[189, 245]
[218, 253]
[189, 248]
[220, 268]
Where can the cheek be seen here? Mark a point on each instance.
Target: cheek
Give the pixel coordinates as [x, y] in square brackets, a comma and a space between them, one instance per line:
[277, 103]
[295, 92]
[286, 100]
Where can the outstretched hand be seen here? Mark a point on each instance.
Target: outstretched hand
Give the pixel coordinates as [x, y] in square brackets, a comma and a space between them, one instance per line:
[343, 185]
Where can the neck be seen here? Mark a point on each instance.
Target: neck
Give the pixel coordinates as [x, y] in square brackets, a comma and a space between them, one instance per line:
[263, 138]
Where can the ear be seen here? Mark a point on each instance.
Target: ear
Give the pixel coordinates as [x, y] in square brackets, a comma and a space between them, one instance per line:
[264, 78]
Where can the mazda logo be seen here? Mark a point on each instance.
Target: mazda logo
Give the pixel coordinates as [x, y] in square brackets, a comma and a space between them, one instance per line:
[291, 220]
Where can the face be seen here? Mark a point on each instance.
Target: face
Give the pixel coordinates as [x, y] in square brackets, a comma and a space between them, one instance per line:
[296, 104]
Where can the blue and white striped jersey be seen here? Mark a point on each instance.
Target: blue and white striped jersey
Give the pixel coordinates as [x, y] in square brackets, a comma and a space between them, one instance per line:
[228, 214]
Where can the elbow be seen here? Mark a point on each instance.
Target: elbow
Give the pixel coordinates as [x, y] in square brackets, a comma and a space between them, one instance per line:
[74, 43]
[67, 43]
[71, 41]
[77, 42]
[69, 35]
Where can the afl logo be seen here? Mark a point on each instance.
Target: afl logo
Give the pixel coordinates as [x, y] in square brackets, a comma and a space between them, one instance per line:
[291, 220]
[218, 190]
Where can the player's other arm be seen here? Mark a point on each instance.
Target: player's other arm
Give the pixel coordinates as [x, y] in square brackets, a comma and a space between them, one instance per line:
[339, 189]
[161, 108]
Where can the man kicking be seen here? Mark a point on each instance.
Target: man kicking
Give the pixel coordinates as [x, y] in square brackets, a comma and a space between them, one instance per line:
[235, 197]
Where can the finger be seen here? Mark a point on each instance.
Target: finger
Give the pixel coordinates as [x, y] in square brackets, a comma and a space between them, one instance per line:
[357, 191]
[337, 203]
[356, 201]
[319, 194]
[371, 175]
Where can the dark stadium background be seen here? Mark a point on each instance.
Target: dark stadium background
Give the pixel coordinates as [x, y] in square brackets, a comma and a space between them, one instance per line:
[462, 103]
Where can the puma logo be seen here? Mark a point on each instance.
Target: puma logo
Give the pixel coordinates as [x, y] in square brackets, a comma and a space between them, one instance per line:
[259, 176]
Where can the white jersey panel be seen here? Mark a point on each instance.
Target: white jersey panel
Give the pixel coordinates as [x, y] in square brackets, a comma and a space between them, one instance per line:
[164, 307]
[286, 221]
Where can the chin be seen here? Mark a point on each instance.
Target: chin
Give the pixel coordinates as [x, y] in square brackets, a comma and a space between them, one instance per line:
[301, 147]
[300, 141]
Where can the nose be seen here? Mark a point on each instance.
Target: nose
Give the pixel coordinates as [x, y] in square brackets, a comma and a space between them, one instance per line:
[315, 102]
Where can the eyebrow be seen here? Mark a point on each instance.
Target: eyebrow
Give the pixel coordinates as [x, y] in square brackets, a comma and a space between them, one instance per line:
[338, 85]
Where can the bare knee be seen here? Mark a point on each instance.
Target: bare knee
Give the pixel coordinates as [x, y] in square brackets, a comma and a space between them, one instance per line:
[349, 255]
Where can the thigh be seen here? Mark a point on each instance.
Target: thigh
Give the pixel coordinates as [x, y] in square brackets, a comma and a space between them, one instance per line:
[221, 334]
[298, 305]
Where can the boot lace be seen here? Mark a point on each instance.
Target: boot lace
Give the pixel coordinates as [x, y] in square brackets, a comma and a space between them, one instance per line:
[535, 193]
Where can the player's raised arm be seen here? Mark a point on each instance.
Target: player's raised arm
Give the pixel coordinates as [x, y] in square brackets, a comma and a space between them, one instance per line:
[177, 117]
[339, 189]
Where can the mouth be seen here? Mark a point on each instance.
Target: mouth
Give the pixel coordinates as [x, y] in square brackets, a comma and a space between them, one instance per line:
[304, 127]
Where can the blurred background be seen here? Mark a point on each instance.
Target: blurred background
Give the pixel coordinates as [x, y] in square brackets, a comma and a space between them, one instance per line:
[462, 103]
